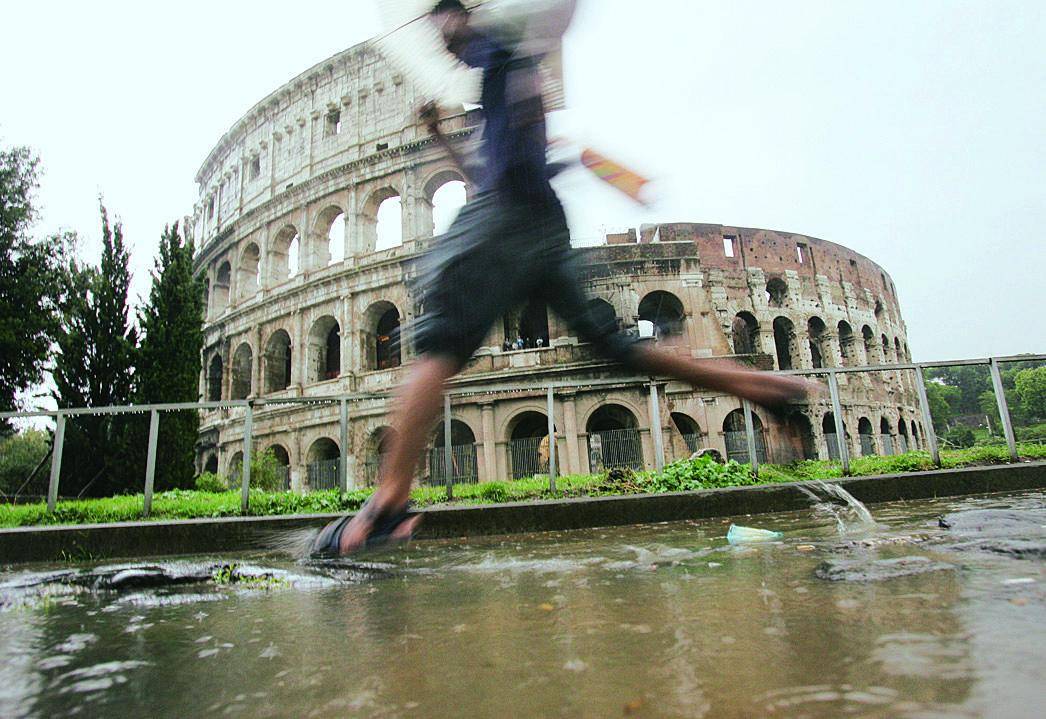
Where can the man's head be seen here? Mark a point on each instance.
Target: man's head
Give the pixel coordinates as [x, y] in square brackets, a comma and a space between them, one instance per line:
[452, 19]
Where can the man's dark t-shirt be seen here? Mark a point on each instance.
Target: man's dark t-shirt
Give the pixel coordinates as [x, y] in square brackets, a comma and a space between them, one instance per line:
[514, 138]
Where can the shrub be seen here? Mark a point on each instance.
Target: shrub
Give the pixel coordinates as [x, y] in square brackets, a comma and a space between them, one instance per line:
[960, 436]
[492, 492]
[19, 456]
[700, 473]
[211, 482]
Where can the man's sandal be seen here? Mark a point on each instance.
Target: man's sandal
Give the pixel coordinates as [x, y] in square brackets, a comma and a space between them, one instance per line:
[384, 523]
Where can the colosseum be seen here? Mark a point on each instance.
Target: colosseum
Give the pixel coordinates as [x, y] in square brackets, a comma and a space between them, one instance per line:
[313, 212]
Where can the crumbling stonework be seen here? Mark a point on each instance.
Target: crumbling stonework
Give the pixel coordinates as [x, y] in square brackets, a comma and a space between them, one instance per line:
[339, 140]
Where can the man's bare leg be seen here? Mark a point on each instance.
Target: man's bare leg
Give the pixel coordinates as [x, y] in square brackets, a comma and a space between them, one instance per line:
[723, 376]
[420, 400]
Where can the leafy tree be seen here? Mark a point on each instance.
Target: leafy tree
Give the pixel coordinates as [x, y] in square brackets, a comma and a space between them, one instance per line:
[20, 454]
[1031, 388]
[971, 381]
[960, 436]
[169, 359]
[943, 400]
[94, 368]
[30, 281]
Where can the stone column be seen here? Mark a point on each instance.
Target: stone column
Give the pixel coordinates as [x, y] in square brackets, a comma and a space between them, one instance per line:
[573, 450]
[490, 460]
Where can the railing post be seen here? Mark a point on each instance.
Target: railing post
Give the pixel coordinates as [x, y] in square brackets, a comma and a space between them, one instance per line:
[753, 457]
[448, 459]
[655, 428]
[150, 462]
[56, 462]
[1004, 409]
[924, 405]
[248, 443]
[840, 426]
[551, 439]
[343, 460]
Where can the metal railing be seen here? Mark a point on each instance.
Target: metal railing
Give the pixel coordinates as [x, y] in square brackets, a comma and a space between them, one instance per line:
[531, 460]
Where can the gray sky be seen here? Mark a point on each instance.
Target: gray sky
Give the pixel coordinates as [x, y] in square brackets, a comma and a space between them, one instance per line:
[912, 132]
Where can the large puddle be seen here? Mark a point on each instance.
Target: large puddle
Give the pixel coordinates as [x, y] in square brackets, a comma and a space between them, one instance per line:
[902, 617]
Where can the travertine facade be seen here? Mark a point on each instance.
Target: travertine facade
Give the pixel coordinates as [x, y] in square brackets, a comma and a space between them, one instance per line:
[296, 310]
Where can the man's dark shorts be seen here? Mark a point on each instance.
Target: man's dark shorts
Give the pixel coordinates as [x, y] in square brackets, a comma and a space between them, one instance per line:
[498, 254]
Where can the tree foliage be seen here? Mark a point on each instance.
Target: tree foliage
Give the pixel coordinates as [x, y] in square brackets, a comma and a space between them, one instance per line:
[30, 281]
[94, 368]
[168, 361]
[20, 454]
[1031, 388]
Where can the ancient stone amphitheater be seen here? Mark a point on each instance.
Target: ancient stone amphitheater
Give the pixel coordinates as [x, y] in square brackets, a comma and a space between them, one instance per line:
[314, 209]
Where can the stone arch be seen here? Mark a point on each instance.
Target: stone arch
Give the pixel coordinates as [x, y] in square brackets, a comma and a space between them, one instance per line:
[242, 371]
[879, 309]
[381, 336]
[619, 442]
[915, 434]
[688, 429]
[248, 272]
[785, 343]
[382, 221]
[222, 287]
[278, 356]
[886, 349]
[283, 463]
[831, 437]
[603, 314]
[665, 311]
[445, 193]
[322, 464]
[776, 292]
[462, 452]
[326, 244]
[378, 446]
[284, 255]
[866, 433]
[897, 350]
[847, 345]
[737, 439]
[902, 436]
[819, 355]
[324, 350]
[871, 355]
[886, 436]
[211, 463]
[528, 444]
[215, 377]
[800, 435]
[235, 469]
[745, 333]
[529, 324]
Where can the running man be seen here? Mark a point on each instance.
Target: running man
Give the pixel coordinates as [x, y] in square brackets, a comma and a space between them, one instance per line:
[509, 244]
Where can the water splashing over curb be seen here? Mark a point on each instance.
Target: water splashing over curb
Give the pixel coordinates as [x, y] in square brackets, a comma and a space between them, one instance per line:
[834, 502]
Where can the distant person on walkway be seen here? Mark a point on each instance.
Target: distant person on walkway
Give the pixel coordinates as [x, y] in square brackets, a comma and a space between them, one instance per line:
[508, 245]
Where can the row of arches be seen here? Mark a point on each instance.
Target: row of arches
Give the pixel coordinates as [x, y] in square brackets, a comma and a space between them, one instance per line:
[380, 224]
[323, 351]
[853, 350]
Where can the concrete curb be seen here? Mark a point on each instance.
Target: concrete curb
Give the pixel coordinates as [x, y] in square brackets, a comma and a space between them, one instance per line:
[201, 536]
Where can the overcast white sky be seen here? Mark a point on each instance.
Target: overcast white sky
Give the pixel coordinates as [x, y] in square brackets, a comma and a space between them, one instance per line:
[912, 131]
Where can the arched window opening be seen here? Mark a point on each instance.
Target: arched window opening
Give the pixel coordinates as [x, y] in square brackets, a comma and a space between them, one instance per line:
[784, 343]
[222, 286]
[689, 430]
[248, 274]
[386, 342]
[236, 469]
[462, 455]
[214, 379]
[283, 465]
[527, 328]
[278, 362]
[323, 461]
[886, 436]
[284, 255]
[604, 316]
[776, 292]
[800, 439]
[871, 355]
[528, 445]
[902, 436]
[324, 351]
[665, 311]
[867, 436]
[831, 436]
[886, 350]
[613, 438]
[847, 345]
[336, 235]
[242, 368]
[879, 309]
[745, 332]
[736, 437]
[389, 224]
[379, 444]
[915, 435]
[818, 345]
[897, 350]
[211, 465]
[447, 201]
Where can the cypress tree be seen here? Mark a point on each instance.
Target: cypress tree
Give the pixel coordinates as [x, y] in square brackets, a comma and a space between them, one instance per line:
[94, 368]
[169, 358]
